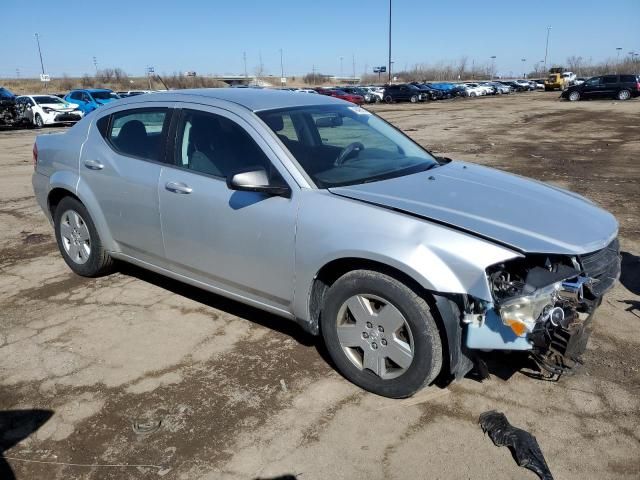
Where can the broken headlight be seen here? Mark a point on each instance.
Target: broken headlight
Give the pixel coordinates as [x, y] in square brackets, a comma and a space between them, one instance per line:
[528, 290]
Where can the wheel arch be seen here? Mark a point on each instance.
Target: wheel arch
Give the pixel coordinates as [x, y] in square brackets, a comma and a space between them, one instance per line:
[445, 308]
[58, 192]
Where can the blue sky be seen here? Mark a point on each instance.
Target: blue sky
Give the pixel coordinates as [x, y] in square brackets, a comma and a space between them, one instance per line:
[211, 36]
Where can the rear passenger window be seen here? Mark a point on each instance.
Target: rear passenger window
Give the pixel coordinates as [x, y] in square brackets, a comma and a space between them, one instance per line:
[610, 79]
[139, 133]
[628, 78]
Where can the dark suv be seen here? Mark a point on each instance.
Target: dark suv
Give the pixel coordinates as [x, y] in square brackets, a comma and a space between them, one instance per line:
[402, 93]
[622, 87]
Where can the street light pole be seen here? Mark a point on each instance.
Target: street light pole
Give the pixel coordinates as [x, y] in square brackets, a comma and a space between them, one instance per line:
[546, 48]
[493, 65]
[341, 58]
[40, 52]
[389, 41]
[524, 74]
[618, 61]
[281, 70]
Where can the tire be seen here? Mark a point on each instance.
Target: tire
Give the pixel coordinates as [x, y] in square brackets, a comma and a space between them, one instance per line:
[623, 95]
[388, 99]
[414, 99]
[78, 240]
[38, 121]
[574, 96]
[415, 344]
[473, 94]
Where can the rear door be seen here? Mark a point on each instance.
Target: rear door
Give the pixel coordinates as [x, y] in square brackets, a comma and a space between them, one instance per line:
[120, 166]
[610, 85]
[239, 242]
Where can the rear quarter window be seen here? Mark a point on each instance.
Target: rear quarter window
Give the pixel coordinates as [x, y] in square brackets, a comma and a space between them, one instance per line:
[628, 78]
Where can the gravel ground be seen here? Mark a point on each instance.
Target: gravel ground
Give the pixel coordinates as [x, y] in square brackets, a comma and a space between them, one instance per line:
[143, 377]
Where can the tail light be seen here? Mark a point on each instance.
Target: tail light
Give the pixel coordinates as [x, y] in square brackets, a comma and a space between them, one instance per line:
[638, 85]
[35, 156]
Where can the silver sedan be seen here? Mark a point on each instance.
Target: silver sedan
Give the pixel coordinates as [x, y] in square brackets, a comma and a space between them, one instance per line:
[318, 211]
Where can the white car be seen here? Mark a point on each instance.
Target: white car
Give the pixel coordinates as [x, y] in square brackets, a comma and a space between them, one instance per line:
[377, 92]
[41, 110]
[474, 90]
[305, 90]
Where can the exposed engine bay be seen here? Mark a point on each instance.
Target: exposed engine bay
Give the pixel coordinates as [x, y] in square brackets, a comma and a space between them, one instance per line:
[547, 301]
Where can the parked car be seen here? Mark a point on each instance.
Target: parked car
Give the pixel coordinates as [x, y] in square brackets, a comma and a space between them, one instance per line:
[89, 99]
[621, 87]
[428, 93]
[10, 113]
[132, 93]
[525, 84]
[342, 95]
[377, 92]
[539, 84]
[305, 90]
[402, 93]
[41, 110]
[516, 87]
[500, 88]
[365, 94]
[469, 258]
[474, 90]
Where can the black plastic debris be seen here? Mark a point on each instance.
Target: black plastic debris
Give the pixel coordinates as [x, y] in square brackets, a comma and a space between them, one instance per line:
[524, 446]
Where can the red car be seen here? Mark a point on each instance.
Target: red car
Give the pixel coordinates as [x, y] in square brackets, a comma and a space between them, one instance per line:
[336, 92]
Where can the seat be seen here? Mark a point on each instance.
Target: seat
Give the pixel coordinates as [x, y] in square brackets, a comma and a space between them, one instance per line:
[133, 139]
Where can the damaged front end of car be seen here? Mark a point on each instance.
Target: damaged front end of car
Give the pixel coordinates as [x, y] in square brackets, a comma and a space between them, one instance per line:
[543, 304]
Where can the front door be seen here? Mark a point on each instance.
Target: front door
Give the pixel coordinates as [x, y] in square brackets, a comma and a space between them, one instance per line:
[592, 88]
[241, 243]
[122, 170]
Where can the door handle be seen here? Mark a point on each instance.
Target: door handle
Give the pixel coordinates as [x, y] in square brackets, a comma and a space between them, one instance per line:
[178, 187]
[93, 165]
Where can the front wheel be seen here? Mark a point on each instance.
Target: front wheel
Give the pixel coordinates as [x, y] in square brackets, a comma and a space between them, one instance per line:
[414, 98]
[574, 96]
[39, 123]
[78, 240]
[388, 99]
[623, 95]
[381, 334]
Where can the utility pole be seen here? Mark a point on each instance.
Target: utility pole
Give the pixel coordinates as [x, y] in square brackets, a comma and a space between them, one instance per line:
[546, 48]
[341, 58]
[524, 74]
[353, 59]
[313, 73]
[389, 41]
[244, 58]
[17, 73]
[40, 52]
[95, 64]
[282, 79]
[493, 65]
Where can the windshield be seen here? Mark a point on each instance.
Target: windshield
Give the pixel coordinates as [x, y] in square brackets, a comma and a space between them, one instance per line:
[47, 99]
[340, 145]
[103, 95]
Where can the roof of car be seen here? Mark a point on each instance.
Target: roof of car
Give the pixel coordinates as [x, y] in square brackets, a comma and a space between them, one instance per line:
[253, 98]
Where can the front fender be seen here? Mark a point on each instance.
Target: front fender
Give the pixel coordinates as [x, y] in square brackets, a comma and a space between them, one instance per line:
[439, 258]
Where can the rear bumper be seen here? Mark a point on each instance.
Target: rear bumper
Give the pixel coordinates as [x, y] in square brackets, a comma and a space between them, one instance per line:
[40, 184]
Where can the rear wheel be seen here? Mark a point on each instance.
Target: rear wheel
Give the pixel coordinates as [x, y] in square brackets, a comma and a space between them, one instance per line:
[623, 95]
[38, 121]
[574, 96]
[78, 239]
[381, 334]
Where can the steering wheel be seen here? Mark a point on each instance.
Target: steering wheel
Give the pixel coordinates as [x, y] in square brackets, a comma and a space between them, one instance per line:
[346, 151]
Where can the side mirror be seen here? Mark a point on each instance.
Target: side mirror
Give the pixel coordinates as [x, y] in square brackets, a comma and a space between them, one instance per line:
[329, 121]
[255, 179]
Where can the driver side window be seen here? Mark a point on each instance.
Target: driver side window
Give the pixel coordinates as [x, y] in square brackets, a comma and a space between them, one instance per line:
[594, 81]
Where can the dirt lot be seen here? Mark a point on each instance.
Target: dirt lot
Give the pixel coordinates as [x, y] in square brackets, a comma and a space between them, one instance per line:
[143, 377]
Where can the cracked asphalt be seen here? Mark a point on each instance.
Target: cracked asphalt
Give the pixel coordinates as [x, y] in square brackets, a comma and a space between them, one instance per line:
[149, 378]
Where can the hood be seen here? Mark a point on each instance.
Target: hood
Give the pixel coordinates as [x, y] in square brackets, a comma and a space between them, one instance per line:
[527, 215]
[59, 107]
